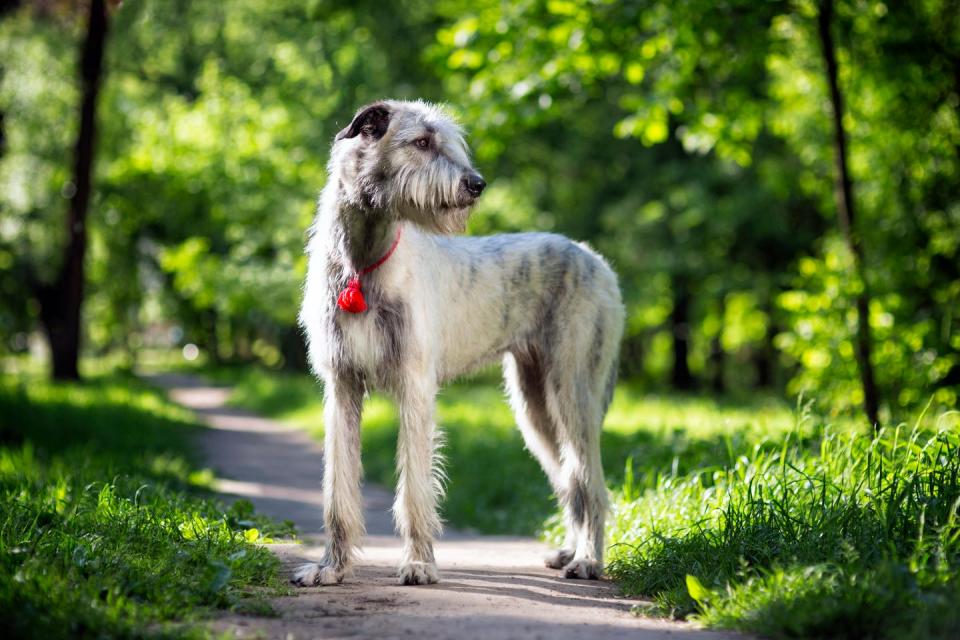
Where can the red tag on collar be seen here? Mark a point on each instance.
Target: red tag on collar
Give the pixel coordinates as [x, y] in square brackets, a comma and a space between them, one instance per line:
[351, 299]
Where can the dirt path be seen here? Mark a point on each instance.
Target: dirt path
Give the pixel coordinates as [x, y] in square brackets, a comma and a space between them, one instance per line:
[490, 587]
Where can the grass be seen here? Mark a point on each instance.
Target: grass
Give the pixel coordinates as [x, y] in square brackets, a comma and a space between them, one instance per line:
[748, 516]
[831, 534]
[105, 530]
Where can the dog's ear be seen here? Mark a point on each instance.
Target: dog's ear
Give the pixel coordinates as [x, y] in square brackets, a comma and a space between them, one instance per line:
[371, 121]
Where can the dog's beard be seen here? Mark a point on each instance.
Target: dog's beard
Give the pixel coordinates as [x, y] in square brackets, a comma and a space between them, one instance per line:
[445, 220]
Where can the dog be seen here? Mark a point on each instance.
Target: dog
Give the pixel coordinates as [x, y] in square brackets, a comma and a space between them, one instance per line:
[394, 301]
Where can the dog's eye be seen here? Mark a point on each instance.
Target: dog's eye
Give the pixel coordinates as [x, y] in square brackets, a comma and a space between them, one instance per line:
[422, 143]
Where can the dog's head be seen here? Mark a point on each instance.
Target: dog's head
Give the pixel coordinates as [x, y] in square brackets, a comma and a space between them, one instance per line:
[408, 159]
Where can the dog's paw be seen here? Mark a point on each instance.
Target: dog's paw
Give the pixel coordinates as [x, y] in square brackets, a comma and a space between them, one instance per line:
[311, 575]
[418, 573]
[583, 570]
[558, 558]
[307, 575]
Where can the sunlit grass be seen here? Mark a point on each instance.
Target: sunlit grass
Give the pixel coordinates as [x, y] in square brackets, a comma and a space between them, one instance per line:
[104, 528]
[697, 416]
[832, 534]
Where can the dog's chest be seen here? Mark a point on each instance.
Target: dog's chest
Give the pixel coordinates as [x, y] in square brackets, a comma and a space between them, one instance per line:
[373, 341]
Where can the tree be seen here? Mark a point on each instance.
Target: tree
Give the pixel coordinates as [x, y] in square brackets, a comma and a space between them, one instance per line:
[62, 299]
[843, 192]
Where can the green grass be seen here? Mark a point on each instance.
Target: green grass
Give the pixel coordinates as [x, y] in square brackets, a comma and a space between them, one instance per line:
[105, 530]
[830, 534]
[781, 524]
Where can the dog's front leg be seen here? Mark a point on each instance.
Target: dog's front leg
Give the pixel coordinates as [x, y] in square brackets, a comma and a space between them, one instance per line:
[419, 486]
[342, 500]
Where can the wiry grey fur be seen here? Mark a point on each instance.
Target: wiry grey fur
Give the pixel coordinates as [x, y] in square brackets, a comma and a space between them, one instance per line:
[440, 307]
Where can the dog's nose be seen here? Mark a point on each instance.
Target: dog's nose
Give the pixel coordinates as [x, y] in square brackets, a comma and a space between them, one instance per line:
[474, 184]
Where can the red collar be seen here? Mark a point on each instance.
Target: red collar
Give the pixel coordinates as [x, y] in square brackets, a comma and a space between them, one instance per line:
[351, 298]
[379, 263]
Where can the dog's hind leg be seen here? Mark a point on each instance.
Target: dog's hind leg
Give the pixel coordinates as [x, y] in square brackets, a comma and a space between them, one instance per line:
[420, 481]
[342, 500]
[583, 493]
[579, 384]
[523, 375]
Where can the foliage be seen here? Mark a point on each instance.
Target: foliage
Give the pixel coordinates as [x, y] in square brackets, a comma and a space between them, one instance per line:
[687, 140]
[820, 339]
[740, 87]
[100, 532]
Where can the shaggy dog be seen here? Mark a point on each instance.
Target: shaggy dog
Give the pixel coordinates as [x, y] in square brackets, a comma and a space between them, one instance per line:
[393, 301]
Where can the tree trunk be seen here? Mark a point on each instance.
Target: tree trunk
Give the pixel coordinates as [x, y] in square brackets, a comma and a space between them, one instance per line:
[765, 355]
[843, 194]
[294, 349]
[7, 6]
[718, 357]
[212, 338]
[632, 359]
[680, 377]
[60, 302]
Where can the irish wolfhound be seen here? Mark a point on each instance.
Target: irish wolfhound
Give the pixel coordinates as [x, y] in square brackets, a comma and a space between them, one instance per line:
[393, 301]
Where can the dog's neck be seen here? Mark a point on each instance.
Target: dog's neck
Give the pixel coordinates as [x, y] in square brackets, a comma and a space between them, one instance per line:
[362, 235]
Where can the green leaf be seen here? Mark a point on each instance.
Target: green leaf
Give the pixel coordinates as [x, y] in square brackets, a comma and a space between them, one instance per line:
[697, 591]
[634, 73]
[252, 535]
[655, 131]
